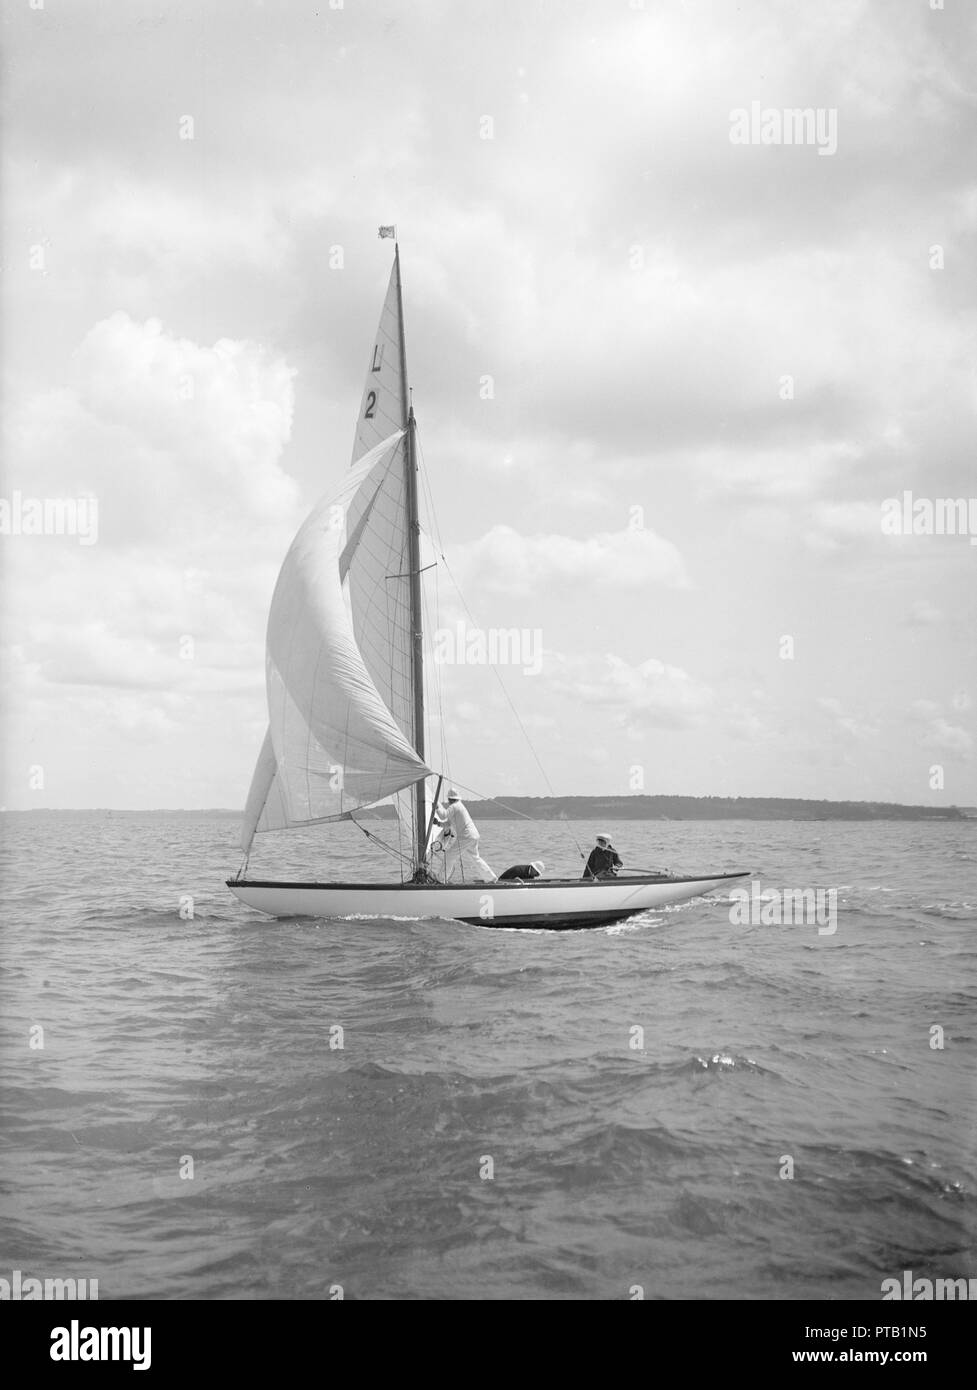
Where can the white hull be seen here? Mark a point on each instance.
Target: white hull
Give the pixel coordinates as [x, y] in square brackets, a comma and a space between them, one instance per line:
[553, 904]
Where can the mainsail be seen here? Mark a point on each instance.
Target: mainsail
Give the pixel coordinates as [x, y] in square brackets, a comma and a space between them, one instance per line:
[333, 745]
[380, 566]
[380, 577]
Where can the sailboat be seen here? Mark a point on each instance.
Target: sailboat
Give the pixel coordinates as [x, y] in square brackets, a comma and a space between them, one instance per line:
[345, 688]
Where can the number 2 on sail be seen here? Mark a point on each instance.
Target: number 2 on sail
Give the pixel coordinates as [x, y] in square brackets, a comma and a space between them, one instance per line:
[371, 405]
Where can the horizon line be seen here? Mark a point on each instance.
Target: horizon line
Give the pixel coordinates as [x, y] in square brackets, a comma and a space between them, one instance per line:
[525, 796]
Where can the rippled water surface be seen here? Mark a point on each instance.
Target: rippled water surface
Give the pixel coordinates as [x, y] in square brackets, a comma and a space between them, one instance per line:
[490, 1127]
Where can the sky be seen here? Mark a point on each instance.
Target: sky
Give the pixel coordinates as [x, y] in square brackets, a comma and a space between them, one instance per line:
[666, 376]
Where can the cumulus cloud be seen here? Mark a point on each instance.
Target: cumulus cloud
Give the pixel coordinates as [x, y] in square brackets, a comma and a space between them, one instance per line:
[640, 315]
[923, 614]
[844, 721]
[183, 446]
[503, 559]
[176, 440]
[745, 724]
[936, 731]
[948, 737]
[837, 524]
[648, 694]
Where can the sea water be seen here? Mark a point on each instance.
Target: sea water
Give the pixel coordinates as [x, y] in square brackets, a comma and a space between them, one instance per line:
[220, 1105]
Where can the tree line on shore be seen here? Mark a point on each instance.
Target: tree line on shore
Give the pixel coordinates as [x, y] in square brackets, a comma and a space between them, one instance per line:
[702, 808]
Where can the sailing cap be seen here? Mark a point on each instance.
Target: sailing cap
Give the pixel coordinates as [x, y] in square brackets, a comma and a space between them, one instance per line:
[453, 795]
[538, 865]
[604, 840]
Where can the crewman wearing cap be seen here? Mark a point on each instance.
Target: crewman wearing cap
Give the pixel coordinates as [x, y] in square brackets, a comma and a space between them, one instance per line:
[524, 873]
[460, 841]
[604, 860]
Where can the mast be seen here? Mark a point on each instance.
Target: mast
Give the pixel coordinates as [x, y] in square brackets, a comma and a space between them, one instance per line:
[414, 566]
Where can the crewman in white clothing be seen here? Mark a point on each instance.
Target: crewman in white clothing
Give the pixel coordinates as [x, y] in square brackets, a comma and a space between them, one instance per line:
[460, 839]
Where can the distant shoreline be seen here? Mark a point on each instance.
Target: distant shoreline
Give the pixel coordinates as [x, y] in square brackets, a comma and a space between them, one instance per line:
[709, 808]
[575, 808]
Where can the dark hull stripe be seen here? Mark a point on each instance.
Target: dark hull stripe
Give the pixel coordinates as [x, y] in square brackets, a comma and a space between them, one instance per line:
[576, 921]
